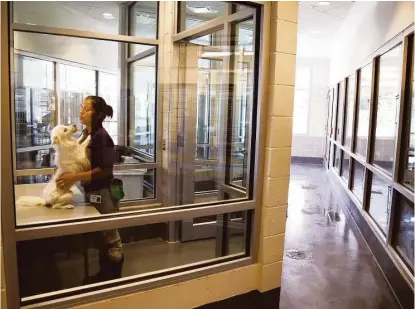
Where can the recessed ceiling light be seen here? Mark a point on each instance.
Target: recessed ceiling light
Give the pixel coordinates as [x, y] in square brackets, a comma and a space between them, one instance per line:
[201, 10]
[108, 16]
[324, 3]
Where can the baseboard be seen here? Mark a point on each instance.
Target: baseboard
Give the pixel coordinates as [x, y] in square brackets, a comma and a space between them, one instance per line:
[251, 300]
[397, 283]
[306, 160]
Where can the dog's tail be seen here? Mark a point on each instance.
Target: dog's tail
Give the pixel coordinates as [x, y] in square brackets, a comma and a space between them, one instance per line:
[30, 201]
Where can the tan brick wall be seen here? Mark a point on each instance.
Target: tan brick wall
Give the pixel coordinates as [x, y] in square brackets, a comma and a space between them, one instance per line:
[283, 46]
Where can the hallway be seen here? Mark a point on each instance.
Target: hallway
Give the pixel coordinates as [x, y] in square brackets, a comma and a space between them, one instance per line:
[338, 270]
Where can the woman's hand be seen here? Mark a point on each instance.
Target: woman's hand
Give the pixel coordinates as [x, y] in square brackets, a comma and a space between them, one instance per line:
[67, 179]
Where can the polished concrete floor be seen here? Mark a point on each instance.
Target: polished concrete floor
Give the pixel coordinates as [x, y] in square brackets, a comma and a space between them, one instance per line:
[337, 270]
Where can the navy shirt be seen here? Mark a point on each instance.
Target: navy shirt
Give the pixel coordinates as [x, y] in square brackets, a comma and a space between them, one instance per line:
[101, 153]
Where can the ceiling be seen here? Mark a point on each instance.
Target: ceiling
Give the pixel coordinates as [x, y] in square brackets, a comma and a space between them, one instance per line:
[318, 25]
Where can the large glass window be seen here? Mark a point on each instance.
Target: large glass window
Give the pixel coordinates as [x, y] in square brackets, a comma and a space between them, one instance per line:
[337, 158]
[80, 260]
[185, 155]
[350, 107]
[404, 237]
[390, 72]
[358, 180]
[365, 87]
[380, 196]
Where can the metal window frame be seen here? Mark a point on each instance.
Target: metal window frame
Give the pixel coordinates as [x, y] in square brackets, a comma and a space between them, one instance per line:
[398, 189]
[8, 214]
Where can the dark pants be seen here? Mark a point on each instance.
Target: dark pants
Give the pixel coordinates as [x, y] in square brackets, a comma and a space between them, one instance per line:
[112, 246]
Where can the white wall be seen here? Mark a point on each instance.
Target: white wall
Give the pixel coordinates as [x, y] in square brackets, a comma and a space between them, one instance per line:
[368, 26]
[311, 144]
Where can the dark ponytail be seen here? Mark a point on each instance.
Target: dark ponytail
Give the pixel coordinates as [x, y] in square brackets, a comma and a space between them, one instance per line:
[101, 108]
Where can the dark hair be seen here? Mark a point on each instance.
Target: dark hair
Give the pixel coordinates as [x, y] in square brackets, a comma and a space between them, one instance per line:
[101, 108]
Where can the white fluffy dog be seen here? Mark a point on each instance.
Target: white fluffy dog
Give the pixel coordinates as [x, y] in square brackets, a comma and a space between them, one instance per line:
[70, 156]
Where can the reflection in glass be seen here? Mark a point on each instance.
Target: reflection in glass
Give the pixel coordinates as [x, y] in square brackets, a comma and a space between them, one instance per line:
[404, 237]
[97, 16]
[379, 208]
[198, 12]
[390, 71]
[74, 261]
[143, 20]
[351, 96]
[408, 142]
[142, 106]
[358, 180]
[339, 122]
[364, 106]
[34, 117]
[243, 94]
[337, 157]
[345, 167]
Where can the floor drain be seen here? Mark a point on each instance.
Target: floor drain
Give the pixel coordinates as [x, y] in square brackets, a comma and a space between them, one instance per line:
[309, 187]
[295, 254]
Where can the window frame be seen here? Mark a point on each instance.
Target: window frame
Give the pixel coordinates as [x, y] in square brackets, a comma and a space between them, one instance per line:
[144, 216]
[398, 190]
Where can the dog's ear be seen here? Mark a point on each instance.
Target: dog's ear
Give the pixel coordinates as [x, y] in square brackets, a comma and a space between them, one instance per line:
[55, 140]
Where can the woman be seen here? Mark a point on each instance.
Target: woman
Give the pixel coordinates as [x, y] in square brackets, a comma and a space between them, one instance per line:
[97, 182]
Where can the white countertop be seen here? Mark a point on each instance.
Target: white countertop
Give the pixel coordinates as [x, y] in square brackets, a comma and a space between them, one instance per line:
[28, 215]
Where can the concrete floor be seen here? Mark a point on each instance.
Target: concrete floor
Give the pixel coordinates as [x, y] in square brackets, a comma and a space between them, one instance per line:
[338, 270]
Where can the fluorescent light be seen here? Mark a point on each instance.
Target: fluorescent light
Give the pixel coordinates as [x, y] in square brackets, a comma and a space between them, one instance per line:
[324, 3]
[201, 10]
[108, 16]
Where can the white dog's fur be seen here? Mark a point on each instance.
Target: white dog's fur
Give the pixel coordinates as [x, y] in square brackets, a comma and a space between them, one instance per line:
[71, 157]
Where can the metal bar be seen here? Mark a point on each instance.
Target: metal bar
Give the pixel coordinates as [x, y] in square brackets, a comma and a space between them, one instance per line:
[404, 191]
[120, 220]
[212, 25]
[373, 110]
[83, 34]
[233, 190]
[142, 55]
[222, 235]
[7, 197]
[174, 275]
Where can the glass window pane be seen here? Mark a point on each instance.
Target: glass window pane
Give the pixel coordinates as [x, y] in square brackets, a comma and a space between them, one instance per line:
[345, 166]
[109, 89]
[404, 237]
[97, 16]
[340, 110]
[143, 19]
[81, 260]
[351, 94]
[198, 12]
[380, 195]
[408, 141]
[364, 106]
[337, 157]
[143, 106]
[242, 101]
[34, 111]
[358, 180]
[390, 72]
[137, 184]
